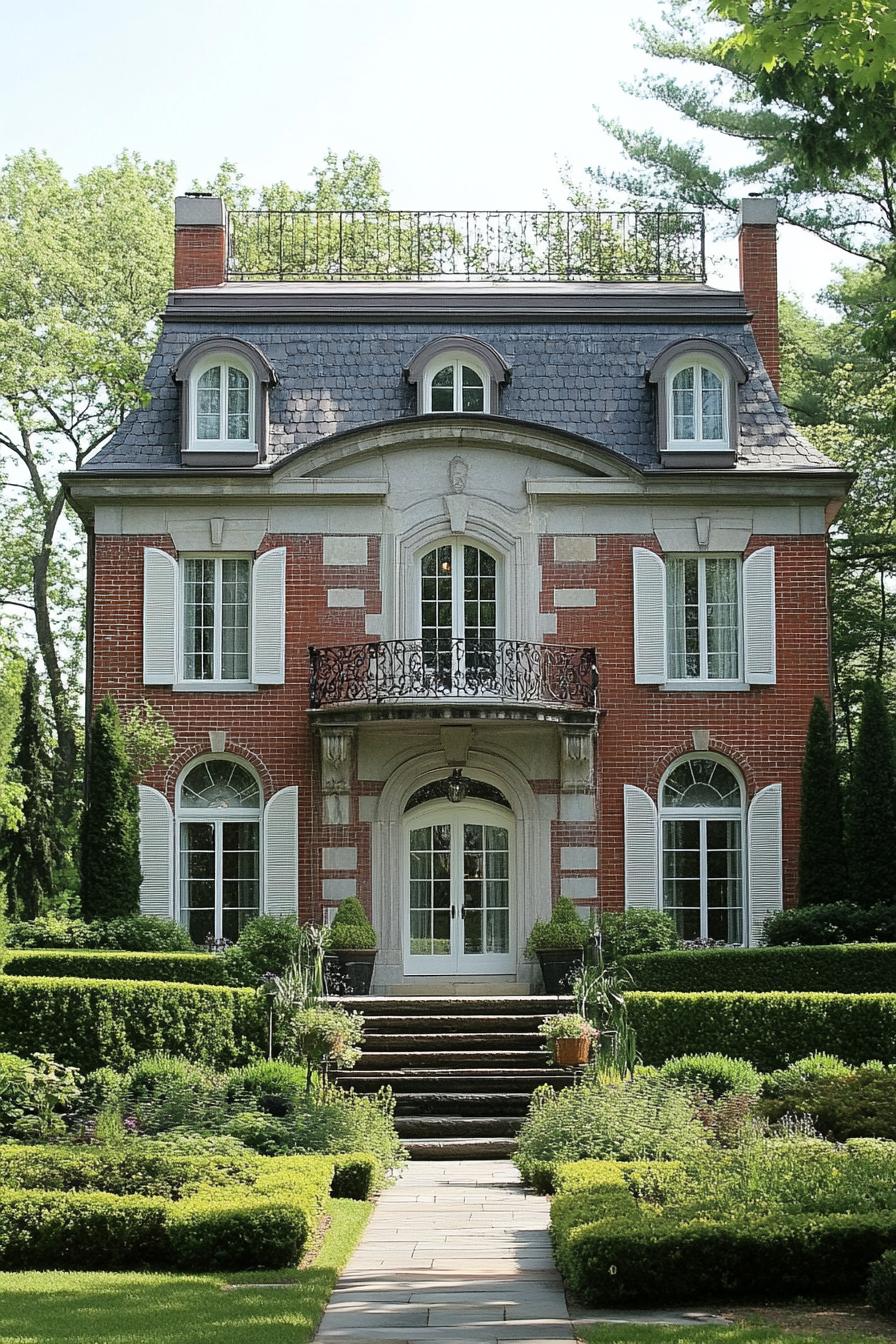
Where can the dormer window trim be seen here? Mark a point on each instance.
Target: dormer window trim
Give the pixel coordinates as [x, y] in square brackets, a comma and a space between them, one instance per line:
[227, 354]
[721, 363]
[458, 352]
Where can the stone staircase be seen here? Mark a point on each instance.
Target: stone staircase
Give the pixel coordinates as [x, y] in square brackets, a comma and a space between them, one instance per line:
[462, 1069]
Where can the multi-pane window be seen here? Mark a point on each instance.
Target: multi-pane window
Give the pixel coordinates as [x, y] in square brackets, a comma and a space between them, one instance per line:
[459, 614]
[219, 850]
[702, 618]
[457, 386]
[702, 840]
[697, 408]
[223, 405]
[216, 618]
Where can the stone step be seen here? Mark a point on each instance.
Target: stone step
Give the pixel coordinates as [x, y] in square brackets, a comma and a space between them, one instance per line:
[535, 1005]
[480, 1023]
[376, 1042]
[457, 1126]
[444, 1150]
[373, 1060]
[520, 1081]
[461, 1103]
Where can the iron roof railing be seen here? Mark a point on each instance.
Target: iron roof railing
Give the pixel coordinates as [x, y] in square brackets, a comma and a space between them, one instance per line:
[608, 245]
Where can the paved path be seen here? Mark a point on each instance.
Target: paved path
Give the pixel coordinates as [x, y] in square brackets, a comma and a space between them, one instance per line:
[455, 1253]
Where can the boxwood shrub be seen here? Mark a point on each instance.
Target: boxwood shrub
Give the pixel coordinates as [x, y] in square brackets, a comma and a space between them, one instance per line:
[92, 1023]
[852, 967]
[195, 968]
[212, 1213]
[768, 1029]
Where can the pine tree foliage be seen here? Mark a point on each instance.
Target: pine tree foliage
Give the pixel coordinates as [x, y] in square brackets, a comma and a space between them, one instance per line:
[29, 847]
[823, 872]
[871, 834]
[110, 833]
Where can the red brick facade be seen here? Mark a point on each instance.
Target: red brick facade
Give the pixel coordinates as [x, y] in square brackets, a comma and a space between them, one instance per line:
[641, 728]
[758, 254]
[200, 257]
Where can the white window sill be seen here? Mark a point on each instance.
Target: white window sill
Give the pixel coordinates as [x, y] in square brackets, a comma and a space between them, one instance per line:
[697, 446]
[215, 687]
[223, 446]
[704, 686]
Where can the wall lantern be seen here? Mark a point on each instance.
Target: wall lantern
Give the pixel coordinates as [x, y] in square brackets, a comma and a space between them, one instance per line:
[457, 786]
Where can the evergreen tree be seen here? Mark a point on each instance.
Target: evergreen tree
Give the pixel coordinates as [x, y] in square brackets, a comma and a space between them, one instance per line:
[110, 833]
[29, 846]
[823, 872]
[871, 833]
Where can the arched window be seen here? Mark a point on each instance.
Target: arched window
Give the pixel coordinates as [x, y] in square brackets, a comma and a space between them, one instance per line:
[701, 817]
[457, 384]
[219, 811]
[698, 406]
[224, 404]
[459, 615]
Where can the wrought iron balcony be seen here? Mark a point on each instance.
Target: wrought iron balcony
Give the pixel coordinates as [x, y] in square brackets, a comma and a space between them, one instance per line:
[503, 671]
[648, 245]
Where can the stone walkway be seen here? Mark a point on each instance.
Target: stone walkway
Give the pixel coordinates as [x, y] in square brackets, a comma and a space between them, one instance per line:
[455, 1253]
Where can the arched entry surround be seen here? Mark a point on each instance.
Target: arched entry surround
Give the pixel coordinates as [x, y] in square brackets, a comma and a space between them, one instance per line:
[530, 863]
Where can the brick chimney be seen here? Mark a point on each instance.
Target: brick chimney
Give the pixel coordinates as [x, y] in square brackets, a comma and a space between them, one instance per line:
[200, 240]
[757, 242]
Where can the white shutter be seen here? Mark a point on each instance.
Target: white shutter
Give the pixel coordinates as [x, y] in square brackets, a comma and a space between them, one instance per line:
[764, 858]
[641, 850]
[650, 616]
[281, 853]
[269, 617]
[759, 617]
[160, 580]
[156, 854]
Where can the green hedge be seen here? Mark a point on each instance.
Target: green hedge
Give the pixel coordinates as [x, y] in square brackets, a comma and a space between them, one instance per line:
[768, 1029]
[854, 968]
[610, 1250]
[194, 968]
[91, 1023]
[220, 1213]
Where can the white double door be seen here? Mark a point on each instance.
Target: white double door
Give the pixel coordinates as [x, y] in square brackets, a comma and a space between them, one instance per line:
[457, 890]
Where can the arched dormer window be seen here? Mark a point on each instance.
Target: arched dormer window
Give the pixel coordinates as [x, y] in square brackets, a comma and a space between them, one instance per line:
[224, 391]
[457, 374]
[697, 419]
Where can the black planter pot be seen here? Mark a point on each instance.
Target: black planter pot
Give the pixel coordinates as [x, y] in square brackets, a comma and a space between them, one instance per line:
[559, 967]
[349, 970]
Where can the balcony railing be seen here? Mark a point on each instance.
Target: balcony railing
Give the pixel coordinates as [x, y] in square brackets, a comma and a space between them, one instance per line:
[506, 671]
[653, 245]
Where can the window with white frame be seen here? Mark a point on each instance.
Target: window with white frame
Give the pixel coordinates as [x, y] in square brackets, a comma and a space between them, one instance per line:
[219, 811]
[215, 617]
[698, 406]
[223, 404]
[457, 383]
[459, 614]
[701, 827]
[702, 618]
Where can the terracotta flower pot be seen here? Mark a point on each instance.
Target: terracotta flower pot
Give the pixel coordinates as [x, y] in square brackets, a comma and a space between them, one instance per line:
[572, 1050]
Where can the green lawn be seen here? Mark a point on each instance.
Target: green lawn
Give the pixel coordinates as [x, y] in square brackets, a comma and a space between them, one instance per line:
[718, 1334]
[70, 1308]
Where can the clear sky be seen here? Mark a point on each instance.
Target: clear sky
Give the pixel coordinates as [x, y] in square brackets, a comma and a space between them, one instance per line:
[468, 105]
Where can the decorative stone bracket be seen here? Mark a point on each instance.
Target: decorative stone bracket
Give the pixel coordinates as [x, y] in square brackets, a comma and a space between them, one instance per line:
[336, 758]
[576, 760]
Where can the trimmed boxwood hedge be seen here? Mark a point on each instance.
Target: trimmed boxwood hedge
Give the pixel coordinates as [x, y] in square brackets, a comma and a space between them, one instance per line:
[770, 1030]
[92, 1023]
[215, 1213]
[195, 968]
[609, 1250]
[856, 968]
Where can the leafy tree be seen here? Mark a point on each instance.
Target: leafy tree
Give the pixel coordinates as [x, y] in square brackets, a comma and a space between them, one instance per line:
[29, 844]
[871, 832]
[823, 873]
[110, 833]
[148, 739]
[854, 38]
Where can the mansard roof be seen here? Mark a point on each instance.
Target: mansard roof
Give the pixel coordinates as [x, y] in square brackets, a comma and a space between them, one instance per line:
[580, 354]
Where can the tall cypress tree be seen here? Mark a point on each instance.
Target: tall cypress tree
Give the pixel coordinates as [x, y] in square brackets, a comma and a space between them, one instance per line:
[29, 852]
[871, 832]
[110, 833]
[823, 871]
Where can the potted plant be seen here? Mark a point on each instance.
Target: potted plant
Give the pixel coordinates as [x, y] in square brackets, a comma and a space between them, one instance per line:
[568, 1038]
[352, 945]
[559, 943]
